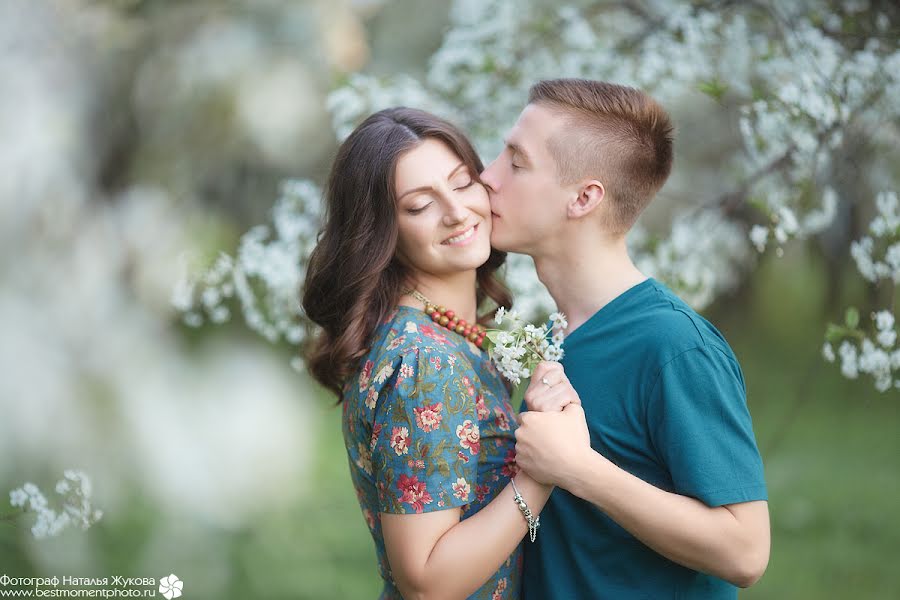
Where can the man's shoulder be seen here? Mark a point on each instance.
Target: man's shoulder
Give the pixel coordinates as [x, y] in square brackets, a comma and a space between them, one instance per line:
[677, 326]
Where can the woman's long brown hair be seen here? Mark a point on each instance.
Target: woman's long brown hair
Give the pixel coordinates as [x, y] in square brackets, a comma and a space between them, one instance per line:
[354, 279]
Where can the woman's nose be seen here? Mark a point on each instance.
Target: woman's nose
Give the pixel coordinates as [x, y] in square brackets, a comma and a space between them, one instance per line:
[455, 211]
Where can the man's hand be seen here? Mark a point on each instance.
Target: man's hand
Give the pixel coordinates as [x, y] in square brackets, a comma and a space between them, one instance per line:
[550, 390]
[552, 446]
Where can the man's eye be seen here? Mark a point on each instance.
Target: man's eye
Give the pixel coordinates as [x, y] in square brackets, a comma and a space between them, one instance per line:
[515, 166]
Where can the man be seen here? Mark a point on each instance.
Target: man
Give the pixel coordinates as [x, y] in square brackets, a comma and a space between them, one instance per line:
[660, 490]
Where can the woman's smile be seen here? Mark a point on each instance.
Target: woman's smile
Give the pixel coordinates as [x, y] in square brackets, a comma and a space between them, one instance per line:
[463, 238]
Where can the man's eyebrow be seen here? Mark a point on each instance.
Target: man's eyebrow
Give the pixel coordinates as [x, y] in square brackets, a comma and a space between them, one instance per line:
[428, 188]
[517, 149]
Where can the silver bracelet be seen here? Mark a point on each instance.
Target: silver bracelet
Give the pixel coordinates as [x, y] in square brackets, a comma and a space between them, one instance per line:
[533, 522]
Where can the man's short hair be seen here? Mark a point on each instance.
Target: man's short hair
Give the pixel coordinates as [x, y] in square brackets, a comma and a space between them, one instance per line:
[616, 134]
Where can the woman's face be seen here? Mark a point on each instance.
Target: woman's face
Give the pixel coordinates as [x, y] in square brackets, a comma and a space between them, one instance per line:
[443, 213]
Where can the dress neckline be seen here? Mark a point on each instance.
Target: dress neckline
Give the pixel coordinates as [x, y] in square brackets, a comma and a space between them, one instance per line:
[461, 341]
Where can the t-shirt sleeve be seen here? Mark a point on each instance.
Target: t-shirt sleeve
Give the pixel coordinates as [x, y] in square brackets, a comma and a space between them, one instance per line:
[701, 429]
[425, 456]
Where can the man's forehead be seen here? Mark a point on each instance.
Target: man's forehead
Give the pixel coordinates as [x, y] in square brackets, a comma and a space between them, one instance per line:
[533, 128]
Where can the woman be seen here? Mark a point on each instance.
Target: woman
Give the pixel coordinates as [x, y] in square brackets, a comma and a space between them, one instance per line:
[427, 422]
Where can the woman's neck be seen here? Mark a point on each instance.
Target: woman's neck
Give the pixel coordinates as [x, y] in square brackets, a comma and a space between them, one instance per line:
[454, 292]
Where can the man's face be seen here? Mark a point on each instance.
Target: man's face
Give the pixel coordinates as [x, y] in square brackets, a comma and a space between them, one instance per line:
[528, 204]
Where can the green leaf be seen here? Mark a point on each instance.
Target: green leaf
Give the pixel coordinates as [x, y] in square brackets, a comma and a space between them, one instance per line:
[492, 334]
[714, 89]
[852, 317]
[759, 204]
[834, 333]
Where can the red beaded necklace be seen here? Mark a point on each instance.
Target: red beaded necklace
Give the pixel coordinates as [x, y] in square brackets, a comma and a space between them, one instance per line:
[447, 318]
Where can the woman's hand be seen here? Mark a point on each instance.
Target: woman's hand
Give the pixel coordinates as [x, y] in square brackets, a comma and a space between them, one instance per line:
[550, 390]
[553, 447]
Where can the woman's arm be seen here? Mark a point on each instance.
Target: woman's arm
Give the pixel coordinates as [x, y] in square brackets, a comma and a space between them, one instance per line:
[435, 555]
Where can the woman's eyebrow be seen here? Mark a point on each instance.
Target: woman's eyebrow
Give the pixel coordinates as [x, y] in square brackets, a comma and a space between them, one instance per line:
[427, 188]
[455, 170]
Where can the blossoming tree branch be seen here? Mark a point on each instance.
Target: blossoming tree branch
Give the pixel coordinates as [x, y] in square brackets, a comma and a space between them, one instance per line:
[803, 88]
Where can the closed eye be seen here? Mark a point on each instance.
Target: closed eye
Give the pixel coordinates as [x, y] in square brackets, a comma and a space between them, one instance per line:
[462, 180]
[415, 211]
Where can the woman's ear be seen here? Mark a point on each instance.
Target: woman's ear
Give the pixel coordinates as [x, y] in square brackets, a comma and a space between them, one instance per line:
[588, 199]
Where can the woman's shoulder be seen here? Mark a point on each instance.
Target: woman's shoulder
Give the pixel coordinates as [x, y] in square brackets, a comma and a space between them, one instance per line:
[397, 343]
[408, 330]
[409, 340]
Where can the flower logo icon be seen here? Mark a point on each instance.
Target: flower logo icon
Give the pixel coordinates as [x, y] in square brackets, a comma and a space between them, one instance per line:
[170, 586]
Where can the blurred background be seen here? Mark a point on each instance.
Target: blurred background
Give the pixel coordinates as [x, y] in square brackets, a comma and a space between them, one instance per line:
[135, 131]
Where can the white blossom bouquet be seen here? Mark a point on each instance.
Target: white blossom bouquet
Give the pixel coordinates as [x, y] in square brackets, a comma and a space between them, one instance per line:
[518, 350]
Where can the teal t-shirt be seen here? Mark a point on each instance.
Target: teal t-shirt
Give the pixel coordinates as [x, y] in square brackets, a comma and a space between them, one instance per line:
[665, 400]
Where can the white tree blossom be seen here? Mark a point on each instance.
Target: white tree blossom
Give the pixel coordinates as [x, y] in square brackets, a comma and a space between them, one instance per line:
[517, 350]
[873, 352]
[792, 82]
[77, 509]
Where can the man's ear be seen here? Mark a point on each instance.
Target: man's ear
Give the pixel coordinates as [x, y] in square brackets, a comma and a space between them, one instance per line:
[589, 197]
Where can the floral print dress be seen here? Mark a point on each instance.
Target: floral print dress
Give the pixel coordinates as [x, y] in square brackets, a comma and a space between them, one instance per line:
[428, 426]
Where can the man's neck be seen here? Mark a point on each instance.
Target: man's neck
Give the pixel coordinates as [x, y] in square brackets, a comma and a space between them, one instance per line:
[583, 278]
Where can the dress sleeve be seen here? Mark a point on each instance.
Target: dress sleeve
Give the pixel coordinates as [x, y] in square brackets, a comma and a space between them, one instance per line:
[426, 441]
[701, 429]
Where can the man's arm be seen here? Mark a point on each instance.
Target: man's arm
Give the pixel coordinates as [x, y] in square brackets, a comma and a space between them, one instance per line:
[730, 542]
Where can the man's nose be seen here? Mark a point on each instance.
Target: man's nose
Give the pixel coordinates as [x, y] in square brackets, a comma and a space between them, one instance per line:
[489, 177]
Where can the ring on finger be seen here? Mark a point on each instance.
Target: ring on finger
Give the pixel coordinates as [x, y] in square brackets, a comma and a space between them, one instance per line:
[546, 382]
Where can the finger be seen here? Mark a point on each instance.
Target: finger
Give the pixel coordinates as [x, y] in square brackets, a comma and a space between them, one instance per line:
[571, 394]
[521, 451]
[552, 373]
[557, 397]
[554, 399]
[536, 391]
[533, 396]
[575, 409]
[551, 367]
[539, 370]
[535, 388]
[524, 464]
[542, 369]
